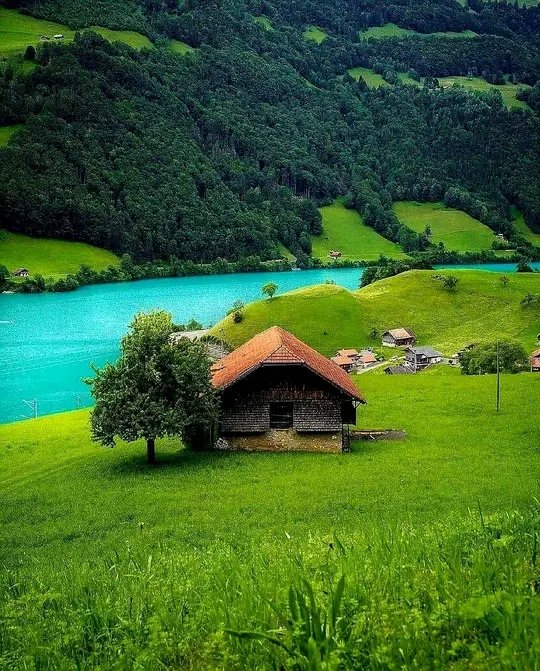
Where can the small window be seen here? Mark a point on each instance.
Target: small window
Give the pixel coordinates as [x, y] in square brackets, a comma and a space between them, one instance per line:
[281, 415]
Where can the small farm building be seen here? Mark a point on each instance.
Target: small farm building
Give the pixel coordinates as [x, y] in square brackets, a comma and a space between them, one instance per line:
[343, 361]
[420, 357]
[277, 393]
[400, 337]
[535, 361]
[21, 272]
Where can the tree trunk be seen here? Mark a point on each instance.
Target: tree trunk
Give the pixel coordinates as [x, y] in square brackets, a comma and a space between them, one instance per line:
[151, 450]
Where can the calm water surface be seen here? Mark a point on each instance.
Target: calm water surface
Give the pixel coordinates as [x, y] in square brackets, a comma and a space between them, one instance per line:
[48, 341]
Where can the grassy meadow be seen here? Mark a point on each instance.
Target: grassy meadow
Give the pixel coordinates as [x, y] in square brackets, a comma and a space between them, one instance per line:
[478, 85]
[315, 34]
[329, 317]
[51, 258]
[456, 229]
[18, 30]
[7, 132]
[264, 21]
[107, 563]
[392, 30]
[344, 230]
[522, 227]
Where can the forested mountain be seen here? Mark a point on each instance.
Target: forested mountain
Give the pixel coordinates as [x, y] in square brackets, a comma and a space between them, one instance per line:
[227, 150]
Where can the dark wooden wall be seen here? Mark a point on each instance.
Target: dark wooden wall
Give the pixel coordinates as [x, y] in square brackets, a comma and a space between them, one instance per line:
[317, 405]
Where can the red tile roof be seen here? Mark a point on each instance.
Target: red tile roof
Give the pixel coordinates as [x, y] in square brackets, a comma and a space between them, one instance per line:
[276, 346]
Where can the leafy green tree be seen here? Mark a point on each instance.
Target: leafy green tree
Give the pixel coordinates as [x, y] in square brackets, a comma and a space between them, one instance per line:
[158, 387]
[483, 358]
[504, 280]
[4, 275]
[270, 289]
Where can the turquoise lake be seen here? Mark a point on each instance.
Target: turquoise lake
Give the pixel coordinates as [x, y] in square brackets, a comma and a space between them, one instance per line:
[48, 341]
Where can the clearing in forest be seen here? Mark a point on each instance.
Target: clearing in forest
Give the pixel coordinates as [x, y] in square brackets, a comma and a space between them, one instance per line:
[392, 30]
[508, 91]
[315, 34]
[17, 31]
[51, 258]
[522, 227]
[344, 231]
[7, 132]
[456, 229]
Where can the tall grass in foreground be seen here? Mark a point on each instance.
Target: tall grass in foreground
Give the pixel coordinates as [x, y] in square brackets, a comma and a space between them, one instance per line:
[462, 594]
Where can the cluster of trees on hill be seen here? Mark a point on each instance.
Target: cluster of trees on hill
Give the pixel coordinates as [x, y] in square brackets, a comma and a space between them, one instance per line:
[226, 152]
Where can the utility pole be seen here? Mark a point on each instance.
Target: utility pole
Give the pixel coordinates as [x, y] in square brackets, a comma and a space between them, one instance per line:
[33, 405]
[498, 380]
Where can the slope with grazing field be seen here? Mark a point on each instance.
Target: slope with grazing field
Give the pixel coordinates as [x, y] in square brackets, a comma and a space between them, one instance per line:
[478, 85]
[330, 317]
[17, 31]
[372, 79]
[51, 258]
[7, 132]
[392, 30]
[315, 34]
[344, 231]
[456, 229]
[520, 224]
[156, 563]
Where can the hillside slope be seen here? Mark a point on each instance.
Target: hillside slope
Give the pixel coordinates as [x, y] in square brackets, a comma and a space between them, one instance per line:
[222, 140]
[330, 317]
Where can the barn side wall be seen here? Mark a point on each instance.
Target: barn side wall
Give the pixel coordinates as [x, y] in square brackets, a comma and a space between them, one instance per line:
[245, 407]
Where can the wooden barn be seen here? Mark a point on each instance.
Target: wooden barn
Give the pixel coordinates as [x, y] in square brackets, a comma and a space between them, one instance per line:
[277, 393]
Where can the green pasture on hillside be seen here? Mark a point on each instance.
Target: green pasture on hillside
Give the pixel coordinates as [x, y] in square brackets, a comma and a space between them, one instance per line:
[107, 563]
[51, 258]
[374, 80]
[392, 30]
[315, 34]
[179, 47]
[522, 227]
[330, 318]
[456, 229]
[344, 231]
[478, 85]
[264, 21]
[18, 30]
[7, 132]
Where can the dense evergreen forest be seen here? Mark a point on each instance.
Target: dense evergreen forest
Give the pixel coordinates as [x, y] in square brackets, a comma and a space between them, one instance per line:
[227, 150]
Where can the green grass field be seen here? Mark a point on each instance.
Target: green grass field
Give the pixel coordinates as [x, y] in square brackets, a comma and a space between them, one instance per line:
[109, 564]
[344, 230]
[374, 80]
[51, 258]
[7, 132]
[264, 21]
[522, 227]
[178, 47]
[392, 30]
[479, 85]
[457, 229]
[315, 34]
[330, 318]
[18, 30]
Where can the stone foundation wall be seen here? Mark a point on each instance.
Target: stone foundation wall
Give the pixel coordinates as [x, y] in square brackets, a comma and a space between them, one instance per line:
[280, 440]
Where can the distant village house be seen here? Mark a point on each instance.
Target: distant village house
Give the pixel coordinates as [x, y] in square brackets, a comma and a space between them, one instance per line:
[21, 272]
[334, 254]
[535, 361]
[421, 357]
[277, 393]
[400, 337]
